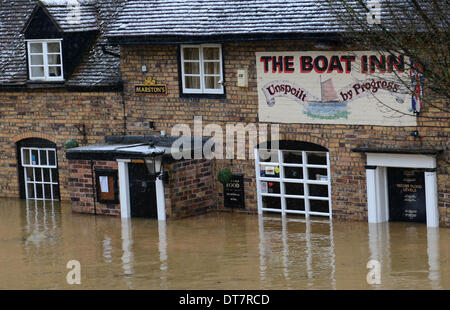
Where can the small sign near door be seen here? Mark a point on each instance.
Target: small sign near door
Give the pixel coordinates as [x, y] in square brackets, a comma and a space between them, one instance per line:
[406, 195]
[233, 192]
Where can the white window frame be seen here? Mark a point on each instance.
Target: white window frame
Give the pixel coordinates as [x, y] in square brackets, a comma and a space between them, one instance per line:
[40, 166]
[282, 180]
[202, 89]
[45, 54]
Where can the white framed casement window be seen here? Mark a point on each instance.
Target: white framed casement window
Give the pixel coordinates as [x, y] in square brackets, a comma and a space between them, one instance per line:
[40, 173]
[45, 60]
[294, 181]
[201, 69]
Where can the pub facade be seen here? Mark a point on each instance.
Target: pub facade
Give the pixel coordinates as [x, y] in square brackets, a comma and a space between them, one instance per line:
[351, 144]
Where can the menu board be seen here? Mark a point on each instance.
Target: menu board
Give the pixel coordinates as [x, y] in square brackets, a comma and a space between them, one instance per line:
[406, 195]
[233, 192]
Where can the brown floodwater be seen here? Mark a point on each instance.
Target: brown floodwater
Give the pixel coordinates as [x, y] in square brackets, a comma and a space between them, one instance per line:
[215, 251]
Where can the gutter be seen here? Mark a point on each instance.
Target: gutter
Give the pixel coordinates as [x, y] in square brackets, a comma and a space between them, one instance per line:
[185, 39]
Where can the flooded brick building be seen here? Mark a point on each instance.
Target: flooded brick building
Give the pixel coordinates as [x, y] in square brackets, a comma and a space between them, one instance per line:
[340, 157]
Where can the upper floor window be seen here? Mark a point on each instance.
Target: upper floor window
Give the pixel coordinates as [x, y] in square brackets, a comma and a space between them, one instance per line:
[201, 67]
[45, 60]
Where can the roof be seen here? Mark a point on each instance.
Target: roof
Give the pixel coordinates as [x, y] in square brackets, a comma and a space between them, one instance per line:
[113, 151]
[135, 147]
[223, 17]
[421, 151]
[243, 19]
[59, 10]
[96, 69]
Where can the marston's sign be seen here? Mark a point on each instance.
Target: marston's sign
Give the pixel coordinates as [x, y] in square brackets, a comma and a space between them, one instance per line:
[150, 87]
[348, 87]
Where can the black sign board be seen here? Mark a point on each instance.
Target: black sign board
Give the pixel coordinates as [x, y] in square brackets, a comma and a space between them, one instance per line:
[150, 87]
[406, 195]
[234, 192]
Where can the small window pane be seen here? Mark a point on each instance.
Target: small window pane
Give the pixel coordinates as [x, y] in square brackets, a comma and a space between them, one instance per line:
[53, 47]
[54, 175]
[319, 206]
[54, 71]
[317, 174]
[191, 53]
[192, 82]
[51, 158]
[37, 60]
[268, 156]
[318, 190]
[26, 157]
[30, 190]
[37, 72]
[38, 174]
[294, 189]
[30, 176]
[212, 82]
[211, 53]
[270, 187]
[317, 158]
[34, 157]
[43, 157]
[47, 175]
[212, 68]
[54, 59]
[48, 193]
[295, 204]
[270, 171]
[36, 47]
[292, 157]
[39, 191]
[271, 202]
[55, 191]
[293, 172]
[192, 68]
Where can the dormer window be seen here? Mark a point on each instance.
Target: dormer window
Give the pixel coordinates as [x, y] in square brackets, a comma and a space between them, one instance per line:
[45, 60]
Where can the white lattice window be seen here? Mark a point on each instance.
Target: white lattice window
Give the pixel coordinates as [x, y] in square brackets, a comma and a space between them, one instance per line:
[294, 182]
[201, 67]
[45, 60]
[40, 173]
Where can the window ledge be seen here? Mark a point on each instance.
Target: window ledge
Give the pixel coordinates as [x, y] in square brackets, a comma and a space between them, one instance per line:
[203, 96]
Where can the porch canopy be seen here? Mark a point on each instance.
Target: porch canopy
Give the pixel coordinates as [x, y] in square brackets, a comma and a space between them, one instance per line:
[137, 147]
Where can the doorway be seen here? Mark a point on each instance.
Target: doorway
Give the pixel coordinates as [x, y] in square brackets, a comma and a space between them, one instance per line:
[38, 169]
[407, 201]
[142, 192]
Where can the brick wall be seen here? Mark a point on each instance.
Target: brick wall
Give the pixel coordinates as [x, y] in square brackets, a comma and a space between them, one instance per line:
[191, 188]
[83, 192]
[241, 105]
[53, 115]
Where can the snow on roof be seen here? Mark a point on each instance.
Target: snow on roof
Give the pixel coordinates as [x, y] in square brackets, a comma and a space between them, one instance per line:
[215, 17]
[87, 17]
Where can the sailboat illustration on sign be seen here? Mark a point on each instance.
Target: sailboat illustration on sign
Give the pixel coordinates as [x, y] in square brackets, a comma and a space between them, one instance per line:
[329, 106]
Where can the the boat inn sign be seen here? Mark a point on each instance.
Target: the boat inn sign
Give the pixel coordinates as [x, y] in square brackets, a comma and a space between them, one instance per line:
[357, 88]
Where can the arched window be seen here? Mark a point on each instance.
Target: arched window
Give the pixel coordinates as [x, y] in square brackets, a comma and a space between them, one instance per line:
[293, 178]
[38, 169]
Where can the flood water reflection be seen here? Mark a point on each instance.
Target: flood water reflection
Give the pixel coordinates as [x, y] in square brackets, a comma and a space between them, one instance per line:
[216, 251]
